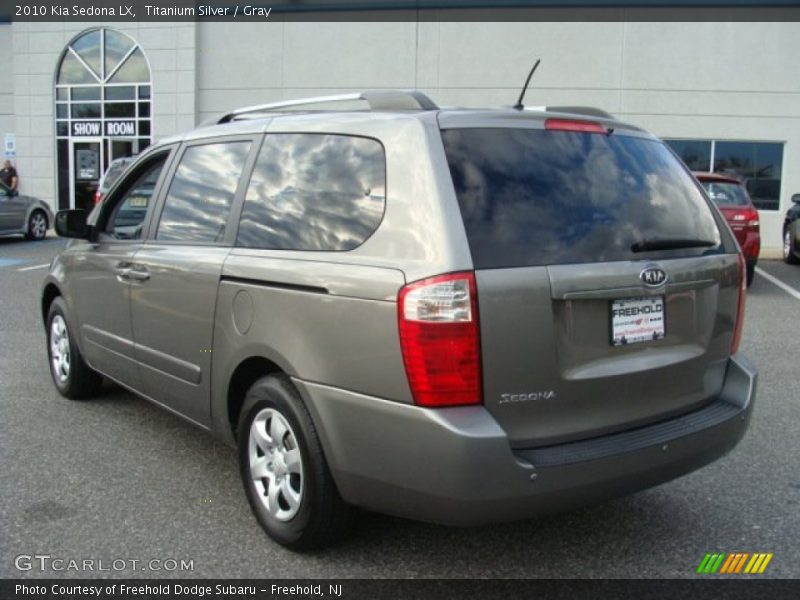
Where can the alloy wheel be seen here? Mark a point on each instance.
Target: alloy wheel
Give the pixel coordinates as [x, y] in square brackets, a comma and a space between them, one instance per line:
[276, 465]
[59, 348]
[38, 226]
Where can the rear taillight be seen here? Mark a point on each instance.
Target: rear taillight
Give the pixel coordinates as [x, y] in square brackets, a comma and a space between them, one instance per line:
[440, 340]
[737, 330]
[749, 218]
[574, 125]
[98, 198]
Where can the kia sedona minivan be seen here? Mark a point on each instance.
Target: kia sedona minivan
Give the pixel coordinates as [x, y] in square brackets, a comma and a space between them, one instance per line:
[456, 315]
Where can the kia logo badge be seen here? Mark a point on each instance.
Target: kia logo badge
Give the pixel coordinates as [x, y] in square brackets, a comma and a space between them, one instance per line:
[653, 276]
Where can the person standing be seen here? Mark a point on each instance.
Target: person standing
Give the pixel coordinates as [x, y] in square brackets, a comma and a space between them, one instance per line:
[8, 175]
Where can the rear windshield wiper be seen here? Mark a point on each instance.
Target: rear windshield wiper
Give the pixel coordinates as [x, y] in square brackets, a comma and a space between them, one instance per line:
[670, 244]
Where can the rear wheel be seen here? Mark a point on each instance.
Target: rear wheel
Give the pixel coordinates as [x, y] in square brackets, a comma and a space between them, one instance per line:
[285, 475]
[37, 226]
[73, 378]
[788, 246]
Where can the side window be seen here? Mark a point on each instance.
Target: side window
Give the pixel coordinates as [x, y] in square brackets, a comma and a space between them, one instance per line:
[314, 192]
[129, 212]
[201, 193]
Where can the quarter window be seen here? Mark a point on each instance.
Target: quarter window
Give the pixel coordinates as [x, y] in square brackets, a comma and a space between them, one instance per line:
[314, 192]
[201, 193]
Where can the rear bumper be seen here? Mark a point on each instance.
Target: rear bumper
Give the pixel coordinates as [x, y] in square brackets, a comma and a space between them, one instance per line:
[751, 248]
[455, 465]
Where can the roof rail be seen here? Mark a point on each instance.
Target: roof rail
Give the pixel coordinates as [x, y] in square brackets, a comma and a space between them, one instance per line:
[377, 100]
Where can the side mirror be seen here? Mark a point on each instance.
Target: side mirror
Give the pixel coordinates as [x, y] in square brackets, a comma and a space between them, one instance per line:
[796, 198]
[72, 224]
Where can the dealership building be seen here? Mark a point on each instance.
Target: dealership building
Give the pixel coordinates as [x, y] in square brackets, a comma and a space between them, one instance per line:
[78, 95]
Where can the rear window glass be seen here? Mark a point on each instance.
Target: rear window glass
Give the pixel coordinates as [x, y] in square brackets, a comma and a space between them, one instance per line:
[536, 197]
[726, 194]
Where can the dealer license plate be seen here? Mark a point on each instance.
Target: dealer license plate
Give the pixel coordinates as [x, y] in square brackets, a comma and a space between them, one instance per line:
[637, 320]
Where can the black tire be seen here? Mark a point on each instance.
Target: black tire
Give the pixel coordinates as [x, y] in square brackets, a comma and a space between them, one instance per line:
[80, 380]
[751, 273]
[789, 256]
[322, 518]
[34, 229]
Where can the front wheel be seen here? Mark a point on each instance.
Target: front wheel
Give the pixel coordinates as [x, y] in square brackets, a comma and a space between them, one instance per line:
[285, 475]
[73, 378]
[37, 226]
[788, 247]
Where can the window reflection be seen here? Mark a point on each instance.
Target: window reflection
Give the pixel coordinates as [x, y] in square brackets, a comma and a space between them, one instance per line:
[200, 197]
[86, 111]
[88, 48]
[726, 194]
[122, 92]
[117, 46]
[72, 71]
[314, 192]
[757, 164]
[132, 70]
[696, 154]
[532, 197]
[86, 93]
[117, 110]
[129, 214]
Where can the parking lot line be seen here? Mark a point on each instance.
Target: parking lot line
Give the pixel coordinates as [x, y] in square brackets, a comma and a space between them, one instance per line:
[774, 280]
[33, 268]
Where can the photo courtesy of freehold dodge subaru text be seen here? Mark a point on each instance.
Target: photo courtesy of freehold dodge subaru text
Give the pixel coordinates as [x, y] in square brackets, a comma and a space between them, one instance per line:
[461, 316]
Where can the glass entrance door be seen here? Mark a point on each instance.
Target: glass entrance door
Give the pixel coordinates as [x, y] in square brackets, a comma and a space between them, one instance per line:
[87, 168]
[120, 148]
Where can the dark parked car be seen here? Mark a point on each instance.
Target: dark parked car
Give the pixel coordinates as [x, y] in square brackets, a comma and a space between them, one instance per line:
[459, 316]
[791, 232]
[731, 196]
[24, 215]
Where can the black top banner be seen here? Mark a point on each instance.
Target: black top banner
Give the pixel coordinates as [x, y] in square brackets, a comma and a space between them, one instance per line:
[398, 10]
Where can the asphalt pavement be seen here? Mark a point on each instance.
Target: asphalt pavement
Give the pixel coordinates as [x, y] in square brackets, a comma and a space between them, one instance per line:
[118, 479]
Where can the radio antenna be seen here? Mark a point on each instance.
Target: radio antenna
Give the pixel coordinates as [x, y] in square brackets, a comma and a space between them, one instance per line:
[519, 105]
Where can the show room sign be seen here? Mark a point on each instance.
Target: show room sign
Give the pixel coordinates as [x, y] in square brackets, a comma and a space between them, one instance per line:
[122, 128]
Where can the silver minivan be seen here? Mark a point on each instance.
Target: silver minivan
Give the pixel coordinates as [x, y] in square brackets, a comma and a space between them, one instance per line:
[460, 316]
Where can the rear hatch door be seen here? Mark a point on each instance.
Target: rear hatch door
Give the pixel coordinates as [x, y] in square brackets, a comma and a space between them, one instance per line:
[607, 286]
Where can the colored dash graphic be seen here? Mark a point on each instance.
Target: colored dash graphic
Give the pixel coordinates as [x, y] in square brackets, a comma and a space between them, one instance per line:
[734, 563]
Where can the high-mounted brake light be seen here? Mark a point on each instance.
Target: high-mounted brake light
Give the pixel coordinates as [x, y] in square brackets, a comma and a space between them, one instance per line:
[574, 125]
[737, 330]
[440, 340]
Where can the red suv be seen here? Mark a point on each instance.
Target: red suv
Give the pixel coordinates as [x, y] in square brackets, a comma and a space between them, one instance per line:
[730, 195]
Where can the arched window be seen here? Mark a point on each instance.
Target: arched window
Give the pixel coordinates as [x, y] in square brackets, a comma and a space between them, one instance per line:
[103, 109]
